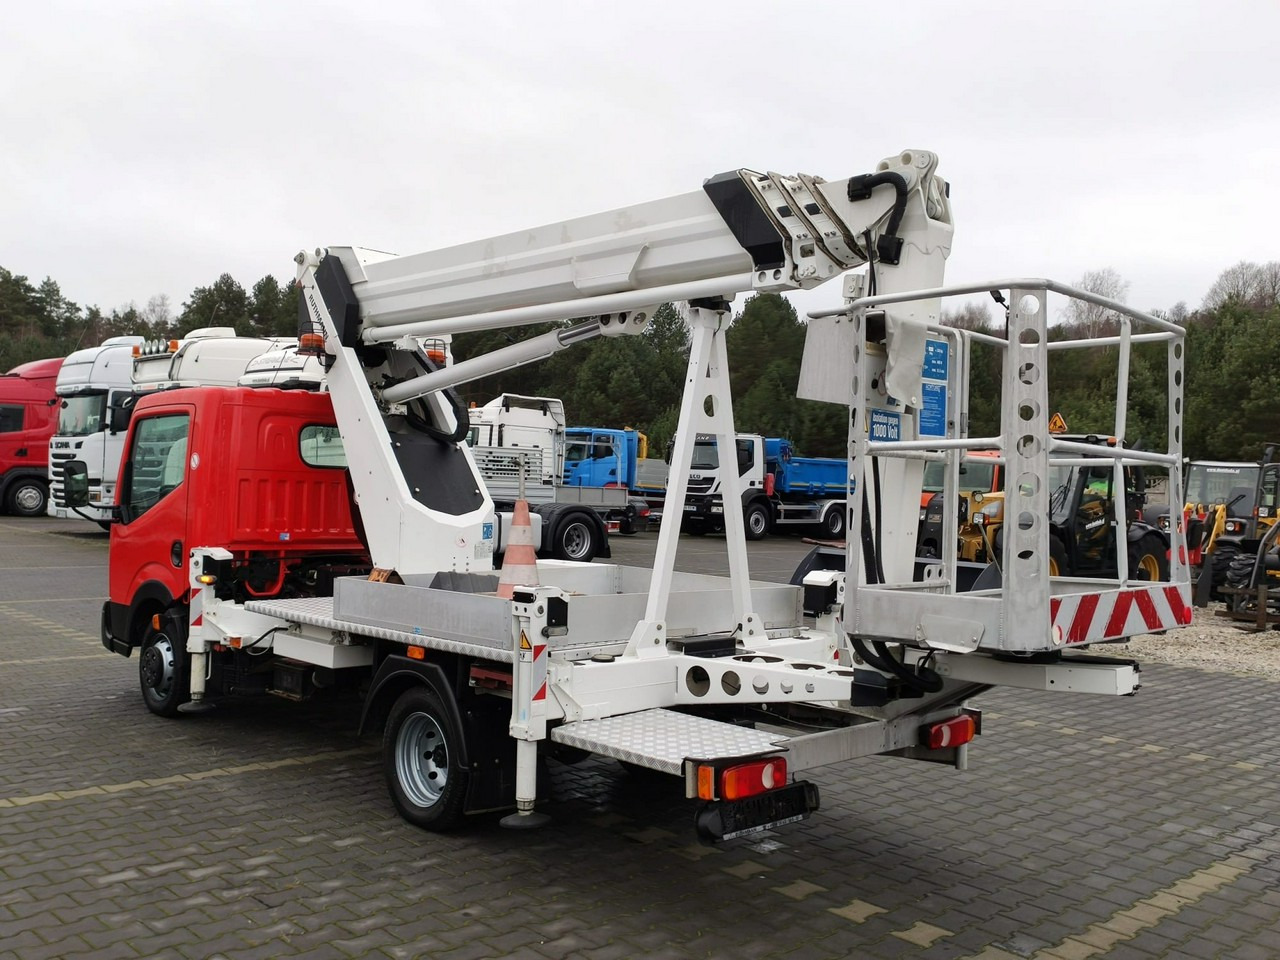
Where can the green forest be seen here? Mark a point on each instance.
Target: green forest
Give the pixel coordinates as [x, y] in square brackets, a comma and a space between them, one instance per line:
[1231, 402]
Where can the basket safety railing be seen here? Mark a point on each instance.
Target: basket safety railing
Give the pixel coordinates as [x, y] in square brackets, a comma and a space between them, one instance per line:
[1026, 611]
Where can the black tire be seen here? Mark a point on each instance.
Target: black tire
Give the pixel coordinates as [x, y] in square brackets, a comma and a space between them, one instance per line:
[1224, 553]
[576, 539]
[1149, 558]
[1240, 570]
[833, 523]
[28, 497]
[163, 672]
[422, 759]
[757, 520]
[1057, 558]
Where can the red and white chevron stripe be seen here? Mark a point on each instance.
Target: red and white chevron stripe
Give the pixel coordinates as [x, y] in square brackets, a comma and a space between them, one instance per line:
[1090, 617]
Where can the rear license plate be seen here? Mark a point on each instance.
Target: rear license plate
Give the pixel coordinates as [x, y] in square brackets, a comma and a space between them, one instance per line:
[728, 819]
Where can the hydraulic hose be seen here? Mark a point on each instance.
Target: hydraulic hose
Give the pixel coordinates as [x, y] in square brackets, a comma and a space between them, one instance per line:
[922, 680]
[888, 244]
[461, 416]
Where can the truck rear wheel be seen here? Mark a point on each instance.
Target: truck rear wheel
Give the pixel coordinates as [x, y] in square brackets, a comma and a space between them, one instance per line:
[28, 498]
[421, 754]
[162, 668]
[757, 521]
[833, 522]
[576, 539]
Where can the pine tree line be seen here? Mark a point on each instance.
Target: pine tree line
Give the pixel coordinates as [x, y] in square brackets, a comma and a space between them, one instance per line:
[1231, 404]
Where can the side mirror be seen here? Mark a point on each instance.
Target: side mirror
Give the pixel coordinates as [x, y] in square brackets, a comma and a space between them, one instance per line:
[75, 483]
[122, 412]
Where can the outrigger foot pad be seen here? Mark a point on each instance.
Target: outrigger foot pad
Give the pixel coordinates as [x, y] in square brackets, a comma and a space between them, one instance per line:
[196, 706]
[524, 821]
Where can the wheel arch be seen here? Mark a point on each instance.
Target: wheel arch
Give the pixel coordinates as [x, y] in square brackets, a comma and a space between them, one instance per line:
[150, 598]
[398, 673]
[1137, 531]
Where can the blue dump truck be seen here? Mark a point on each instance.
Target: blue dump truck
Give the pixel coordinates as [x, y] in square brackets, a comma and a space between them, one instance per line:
[607, 457]
[779, 489]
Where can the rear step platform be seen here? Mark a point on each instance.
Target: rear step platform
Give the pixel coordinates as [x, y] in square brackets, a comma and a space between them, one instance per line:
[663, 739]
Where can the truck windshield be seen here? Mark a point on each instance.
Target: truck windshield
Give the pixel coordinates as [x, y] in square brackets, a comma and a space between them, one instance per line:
[82, 414]
[576, 450]
[1213, 483]
[973, 476]
[705, 456]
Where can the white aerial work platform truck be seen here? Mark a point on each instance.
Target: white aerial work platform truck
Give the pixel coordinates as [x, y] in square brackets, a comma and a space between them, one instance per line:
[720, 682]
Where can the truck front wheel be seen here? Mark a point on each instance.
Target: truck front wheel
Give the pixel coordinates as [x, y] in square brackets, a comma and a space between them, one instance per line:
[576, 539]
[421, 754]
[162, 668]
[757, 521]
[28, 498]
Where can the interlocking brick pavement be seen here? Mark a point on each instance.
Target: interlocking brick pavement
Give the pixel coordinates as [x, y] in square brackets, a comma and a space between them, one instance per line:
[1134, 828]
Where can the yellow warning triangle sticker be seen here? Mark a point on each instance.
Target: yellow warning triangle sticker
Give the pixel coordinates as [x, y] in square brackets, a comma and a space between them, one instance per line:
[1057, 424]
[524, 641]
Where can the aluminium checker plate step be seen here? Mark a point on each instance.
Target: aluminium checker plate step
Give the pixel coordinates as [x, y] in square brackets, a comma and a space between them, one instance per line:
[663, 739]
[318, 612]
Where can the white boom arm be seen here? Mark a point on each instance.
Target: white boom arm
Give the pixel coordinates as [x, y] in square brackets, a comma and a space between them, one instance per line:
[423, 504]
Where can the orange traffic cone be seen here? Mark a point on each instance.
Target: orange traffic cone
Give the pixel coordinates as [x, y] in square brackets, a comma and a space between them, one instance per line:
[520, 563]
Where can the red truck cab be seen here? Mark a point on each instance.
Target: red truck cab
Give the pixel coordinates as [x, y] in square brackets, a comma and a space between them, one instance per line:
[258, 472]
[28, 418]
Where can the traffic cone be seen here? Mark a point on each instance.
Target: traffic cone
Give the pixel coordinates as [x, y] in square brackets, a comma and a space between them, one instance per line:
[519, 563]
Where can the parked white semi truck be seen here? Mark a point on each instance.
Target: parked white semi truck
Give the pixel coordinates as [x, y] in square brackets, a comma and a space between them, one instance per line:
[98, 386]
[718, 682]
[93, 385]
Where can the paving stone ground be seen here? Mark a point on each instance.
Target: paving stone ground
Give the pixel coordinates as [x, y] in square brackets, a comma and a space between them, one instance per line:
[1137, 827]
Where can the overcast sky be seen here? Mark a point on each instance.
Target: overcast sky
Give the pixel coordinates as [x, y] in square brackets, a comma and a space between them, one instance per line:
[150, 147]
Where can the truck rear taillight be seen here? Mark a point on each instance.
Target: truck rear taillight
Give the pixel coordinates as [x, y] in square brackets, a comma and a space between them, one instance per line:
[950, 733]
[742, 779]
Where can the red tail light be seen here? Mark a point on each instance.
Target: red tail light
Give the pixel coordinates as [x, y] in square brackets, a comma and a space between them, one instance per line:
[950, 733]
[742, 780]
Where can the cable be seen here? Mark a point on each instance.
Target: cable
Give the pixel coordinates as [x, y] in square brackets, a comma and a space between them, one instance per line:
[249, 647]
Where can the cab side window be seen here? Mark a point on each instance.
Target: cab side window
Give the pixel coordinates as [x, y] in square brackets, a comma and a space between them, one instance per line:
[10, 418]
[157, 461]
[321, 446]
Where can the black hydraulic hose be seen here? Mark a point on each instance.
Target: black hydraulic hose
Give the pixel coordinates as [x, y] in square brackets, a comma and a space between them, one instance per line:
[423, 425]
[923, 680]
[461, 416]
[888, 245]
[875, 479]
[868, 543]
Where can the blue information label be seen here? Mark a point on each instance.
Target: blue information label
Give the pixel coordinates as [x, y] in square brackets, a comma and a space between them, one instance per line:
[933, 410]
[885, 425]
[937, 359]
